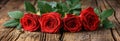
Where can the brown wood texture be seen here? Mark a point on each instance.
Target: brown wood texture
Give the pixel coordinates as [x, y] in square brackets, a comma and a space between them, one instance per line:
[12, 34]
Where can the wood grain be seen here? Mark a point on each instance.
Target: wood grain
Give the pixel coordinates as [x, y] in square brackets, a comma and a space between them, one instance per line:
[3, 17]
[115, 18]
[12, 34]
[9, 33]
[2, 3]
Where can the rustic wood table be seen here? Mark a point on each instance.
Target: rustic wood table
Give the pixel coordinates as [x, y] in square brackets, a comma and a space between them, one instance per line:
[11, 34]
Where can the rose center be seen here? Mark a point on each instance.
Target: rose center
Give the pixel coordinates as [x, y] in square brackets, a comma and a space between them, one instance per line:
[50, 23]
[90, 19]
[71, 23]
[29, 22]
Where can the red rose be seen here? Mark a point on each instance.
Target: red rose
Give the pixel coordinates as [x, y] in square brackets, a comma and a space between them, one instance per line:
[72, 23]
[90, 19]
[50, 22]
[30, 22]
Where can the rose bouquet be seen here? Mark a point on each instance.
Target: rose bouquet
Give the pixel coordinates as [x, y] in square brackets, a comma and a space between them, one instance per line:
[51, 17]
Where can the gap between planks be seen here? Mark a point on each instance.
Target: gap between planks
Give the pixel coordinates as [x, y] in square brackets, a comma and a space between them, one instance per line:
[2, 3]
[112, 18]
[4, 17]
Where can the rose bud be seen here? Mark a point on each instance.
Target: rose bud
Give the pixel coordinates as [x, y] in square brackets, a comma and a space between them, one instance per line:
[72, 23]
[30, 22]
[90, 19]
[50, 22]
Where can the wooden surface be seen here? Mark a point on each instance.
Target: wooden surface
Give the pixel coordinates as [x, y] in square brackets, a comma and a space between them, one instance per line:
[11, 34]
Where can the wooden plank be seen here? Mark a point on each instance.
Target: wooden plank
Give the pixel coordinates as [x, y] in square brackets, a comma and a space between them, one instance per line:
[2, 3]
[116, 30]
[38, 36]
[118, 1]
[12, 36]
[114, 33]
[112, 18]
[30, 36]
[81, 36]
[3, 17]
[115, 5]
[52, 37]
[102, 34]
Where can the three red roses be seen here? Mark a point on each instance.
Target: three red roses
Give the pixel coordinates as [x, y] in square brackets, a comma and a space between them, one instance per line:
[52, 22]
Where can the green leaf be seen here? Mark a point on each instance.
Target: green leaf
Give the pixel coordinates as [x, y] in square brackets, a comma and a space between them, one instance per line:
[18, 26]
[72, 3]
[76, 12]
[44, 7]
[97, 11]
[69, 4]
[53, 4]
[77, 6]
[75, 1]
[29, 7]
[11, 23]
[73, 6]
[107, 24]
[64, 7]
[16, 14]
[107, 13]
